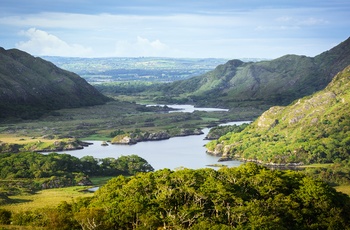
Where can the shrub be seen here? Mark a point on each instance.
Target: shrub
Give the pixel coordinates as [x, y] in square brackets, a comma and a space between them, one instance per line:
[5, 216]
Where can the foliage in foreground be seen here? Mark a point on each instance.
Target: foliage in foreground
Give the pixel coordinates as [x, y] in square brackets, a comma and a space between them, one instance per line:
[247, 197]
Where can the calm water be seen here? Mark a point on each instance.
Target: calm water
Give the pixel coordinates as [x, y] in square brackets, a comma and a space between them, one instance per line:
[190, 108]
[188, 152]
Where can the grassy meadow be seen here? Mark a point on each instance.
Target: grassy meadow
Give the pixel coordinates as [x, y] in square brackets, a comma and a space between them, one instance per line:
[22, 139]
[52, 197]
[46, 198]
[344, 189]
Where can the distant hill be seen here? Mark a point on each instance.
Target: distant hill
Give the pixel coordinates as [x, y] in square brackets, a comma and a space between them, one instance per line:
[312, 129]
[30, 86]
[265, 83]
[144, 69]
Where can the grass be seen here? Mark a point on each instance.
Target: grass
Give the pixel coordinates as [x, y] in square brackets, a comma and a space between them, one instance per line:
[13, 227]
[96, 137]
[316, 166]
[99, 181]
[52, 197]
[46, 198]
[21, 139]
[344, 189]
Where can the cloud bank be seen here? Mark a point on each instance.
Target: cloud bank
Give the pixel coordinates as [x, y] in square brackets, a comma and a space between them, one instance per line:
[42, 43]
[144, 47]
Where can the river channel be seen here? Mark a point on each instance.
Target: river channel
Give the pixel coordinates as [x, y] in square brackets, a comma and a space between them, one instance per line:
[176, 152]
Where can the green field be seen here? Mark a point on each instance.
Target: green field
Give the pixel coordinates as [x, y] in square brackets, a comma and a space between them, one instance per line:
[46, 198]
[52, 197]
[344, 189]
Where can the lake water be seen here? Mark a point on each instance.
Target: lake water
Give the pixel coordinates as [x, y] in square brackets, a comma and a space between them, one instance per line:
[190, 108]
[176, 152]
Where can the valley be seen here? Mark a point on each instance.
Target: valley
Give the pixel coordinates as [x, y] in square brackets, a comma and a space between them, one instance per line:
[298, 105]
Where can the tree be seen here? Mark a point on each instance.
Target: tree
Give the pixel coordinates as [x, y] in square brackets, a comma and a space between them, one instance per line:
[130, 165]
[90, 165]
[91, 219]
[247, 197]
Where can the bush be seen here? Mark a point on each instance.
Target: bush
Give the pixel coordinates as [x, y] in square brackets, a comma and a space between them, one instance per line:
[5, 216]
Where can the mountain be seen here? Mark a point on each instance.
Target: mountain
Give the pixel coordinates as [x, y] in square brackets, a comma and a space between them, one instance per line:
[30, 86]
[265, 83]
[312, 129]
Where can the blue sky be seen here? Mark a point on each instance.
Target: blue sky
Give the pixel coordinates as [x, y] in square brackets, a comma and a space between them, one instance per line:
[176, 28]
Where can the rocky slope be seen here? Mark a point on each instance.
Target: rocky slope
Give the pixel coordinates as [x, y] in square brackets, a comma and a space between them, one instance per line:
[264, 83]
[29, 86]
[312, 129]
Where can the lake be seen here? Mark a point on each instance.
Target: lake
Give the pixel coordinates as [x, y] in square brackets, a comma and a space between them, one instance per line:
[176, 152]
[189, 108]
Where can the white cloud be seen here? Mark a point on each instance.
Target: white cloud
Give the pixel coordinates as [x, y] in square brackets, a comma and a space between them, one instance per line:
[218, 33]
[302, 21]
[43, 43]
[144, 47]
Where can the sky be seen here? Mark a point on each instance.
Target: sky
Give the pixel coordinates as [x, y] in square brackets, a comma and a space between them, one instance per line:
[174, 28]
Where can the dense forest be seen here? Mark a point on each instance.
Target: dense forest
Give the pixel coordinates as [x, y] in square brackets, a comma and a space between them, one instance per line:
[28, 172]
[247, 197]
[35, 165]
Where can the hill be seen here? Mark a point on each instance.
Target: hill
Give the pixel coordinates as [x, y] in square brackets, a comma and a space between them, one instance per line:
[265, 83]
[312, 129]
[30, 86]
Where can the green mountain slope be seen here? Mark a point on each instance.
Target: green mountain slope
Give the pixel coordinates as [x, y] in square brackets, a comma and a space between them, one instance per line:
[29, 86]
[265, 83]
[312, 129]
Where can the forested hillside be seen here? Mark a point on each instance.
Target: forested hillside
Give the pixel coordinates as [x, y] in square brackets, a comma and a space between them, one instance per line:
[312, 129]
[30, 86]
[261, 84]
[247, 197]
